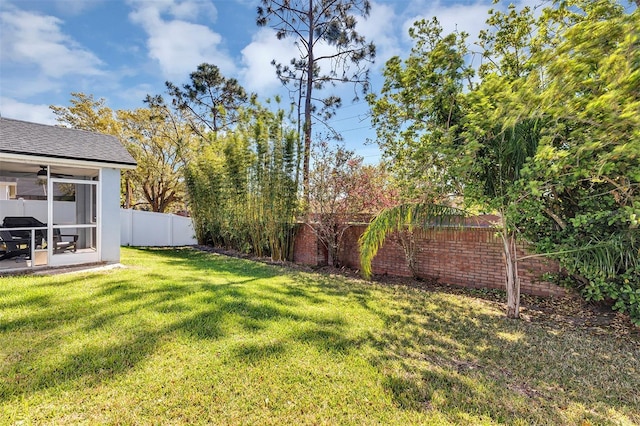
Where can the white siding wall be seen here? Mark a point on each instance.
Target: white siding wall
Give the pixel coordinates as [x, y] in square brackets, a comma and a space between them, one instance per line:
[110, 215]
[138, 228]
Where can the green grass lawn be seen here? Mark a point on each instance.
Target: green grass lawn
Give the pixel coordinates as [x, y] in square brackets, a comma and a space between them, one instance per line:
[185, 337]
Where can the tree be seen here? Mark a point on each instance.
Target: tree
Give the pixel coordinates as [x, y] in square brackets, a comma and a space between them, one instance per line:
[502, 147]
[439, 127]
[548, 136]
[161, 145]
[325, 33]
[211, 101]
[418, 114]
[155, 137]
[343, 190]
[584, 180]
[372, 190]
[86, 113]
[242, 186]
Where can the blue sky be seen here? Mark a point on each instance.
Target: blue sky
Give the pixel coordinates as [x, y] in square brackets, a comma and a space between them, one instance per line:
[123, 50]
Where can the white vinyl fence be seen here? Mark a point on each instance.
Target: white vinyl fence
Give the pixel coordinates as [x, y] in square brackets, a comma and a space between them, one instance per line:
[138, 228]
[64, 211]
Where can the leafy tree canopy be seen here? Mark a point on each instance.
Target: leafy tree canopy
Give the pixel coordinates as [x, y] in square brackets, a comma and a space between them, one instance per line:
[547, 135]
[156, 138]
[210, 101]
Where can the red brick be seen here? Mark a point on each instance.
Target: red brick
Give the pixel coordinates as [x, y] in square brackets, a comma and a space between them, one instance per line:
[467, 257]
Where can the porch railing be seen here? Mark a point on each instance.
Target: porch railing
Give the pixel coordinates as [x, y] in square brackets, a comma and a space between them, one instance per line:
[30, 241]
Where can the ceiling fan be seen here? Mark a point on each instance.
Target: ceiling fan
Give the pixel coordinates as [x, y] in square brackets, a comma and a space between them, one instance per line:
[42, 174]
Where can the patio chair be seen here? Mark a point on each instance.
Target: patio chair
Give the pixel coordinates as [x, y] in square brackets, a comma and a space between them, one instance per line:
[61, 242]
[11, 246]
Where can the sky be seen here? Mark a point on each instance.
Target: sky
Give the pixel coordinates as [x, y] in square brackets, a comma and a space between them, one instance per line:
[122, 50]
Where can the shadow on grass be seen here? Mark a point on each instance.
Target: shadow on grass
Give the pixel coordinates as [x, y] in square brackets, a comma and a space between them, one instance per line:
[459, 356]
[31, 301]
[418, 392]
[252, 353]
[463, 362]
[330, 340]
[226, 295]
[96, 363]
[435, 351]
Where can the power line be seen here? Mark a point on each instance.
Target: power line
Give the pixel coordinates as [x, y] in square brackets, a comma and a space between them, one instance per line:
[354, 129]
[347, 118]
[354, 105]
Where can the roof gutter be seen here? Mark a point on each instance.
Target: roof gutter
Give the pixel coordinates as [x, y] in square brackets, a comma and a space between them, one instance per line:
[64, 161]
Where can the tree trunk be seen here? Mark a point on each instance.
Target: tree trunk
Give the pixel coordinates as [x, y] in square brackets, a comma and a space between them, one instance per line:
[128, 193]
[333, 246]
[331, 256]
[408, 244]
[513, 281]
[308, 106]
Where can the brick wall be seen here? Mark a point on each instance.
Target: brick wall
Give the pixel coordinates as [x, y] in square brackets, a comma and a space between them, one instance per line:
[470, 257]
[307, 249]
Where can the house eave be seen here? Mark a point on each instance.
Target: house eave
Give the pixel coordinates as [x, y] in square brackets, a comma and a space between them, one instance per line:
[63, 161]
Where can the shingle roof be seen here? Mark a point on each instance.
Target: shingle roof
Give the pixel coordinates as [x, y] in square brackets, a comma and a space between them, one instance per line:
[22, 137]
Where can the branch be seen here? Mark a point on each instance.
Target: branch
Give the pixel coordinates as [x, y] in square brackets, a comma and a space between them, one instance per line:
[338, 54]
[561, 223]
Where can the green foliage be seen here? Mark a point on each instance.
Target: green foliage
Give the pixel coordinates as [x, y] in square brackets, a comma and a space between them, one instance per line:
[211, 101]
[231, 161]
[154, 136]
[331, 52]
[584, 180]
[243, 182]
[548, 137]
[161, 146]
[86, 113]
[445, 135]
[242, 187]
[418, 113]
[598, 244]
[400, 219]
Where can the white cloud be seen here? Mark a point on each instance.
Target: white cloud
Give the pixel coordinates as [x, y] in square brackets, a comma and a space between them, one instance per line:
[33, 39]
[178, 45]
[191, 10]
[11, 108]
[468, 18]
[380, 27]
[258, 74]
